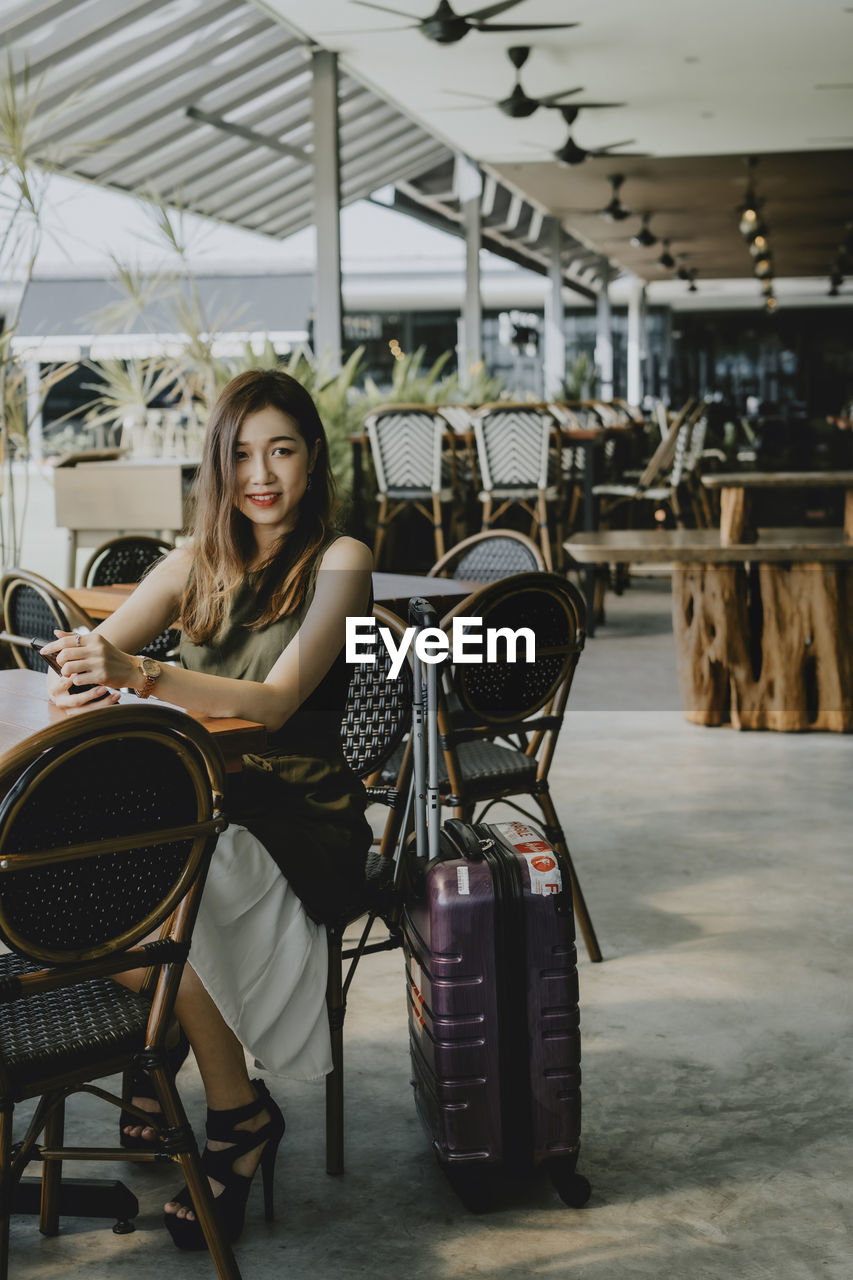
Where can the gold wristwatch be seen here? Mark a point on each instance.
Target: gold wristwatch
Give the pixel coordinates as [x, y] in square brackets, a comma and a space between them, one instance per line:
[151, 670]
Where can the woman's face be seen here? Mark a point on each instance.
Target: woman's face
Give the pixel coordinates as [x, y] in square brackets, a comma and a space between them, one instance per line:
[272, 468]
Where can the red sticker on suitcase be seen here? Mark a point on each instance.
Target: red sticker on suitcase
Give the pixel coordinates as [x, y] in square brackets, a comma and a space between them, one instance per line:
[542, 866]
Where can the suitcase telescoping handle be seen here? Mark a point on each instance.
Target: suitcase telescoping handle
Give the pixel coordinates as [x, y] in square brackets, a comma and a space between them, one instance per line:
[425, 738]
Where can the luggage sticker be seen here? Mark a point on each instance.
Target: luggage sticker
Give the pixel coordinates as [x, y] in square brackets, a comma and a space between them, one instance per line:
[462, 885]
[542, 866]
[415, 983]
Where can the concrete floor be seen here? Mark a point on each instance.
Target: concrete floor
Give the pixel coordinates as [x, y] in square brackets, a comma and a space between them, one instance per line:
[716, 1035]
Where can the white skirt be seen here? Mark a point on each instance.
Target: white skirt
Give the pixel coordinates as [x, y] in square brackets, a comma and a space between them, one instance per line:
[262, 960]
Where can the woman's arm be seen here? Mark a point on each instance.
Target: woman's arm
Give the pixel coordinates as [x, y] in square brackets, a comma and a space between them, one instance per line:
[154, 604]
[342, 589]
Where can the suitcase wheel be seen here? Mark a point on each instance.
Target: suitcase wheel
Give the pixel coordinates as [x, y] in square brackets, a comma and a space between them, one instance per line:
[572, 1188]
[473, 1189]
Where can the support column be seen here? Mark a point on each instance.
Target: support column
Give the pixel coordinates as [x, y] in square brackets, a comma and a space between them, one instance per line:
[666, 359]
[636, 342]
[604, 336]
[328, 305]
[34, 410]
[554, 356]
[470, 189]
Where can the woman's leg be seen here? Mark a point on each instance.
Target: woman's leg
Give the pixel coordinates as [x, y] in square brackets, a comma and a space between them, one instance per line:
[221, 1062]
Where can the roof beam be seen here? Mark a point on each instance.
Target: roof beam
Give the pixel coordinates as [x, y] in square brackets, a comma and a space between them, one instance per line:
[250, 135]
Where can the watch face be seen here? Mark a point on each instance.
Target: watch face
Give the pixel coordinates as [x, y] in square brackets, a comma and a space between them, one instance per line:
[151, 668]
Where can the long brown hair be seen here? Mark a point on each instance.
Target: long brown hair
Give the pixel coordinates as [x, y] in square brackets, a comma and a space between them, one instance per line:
[222, 543]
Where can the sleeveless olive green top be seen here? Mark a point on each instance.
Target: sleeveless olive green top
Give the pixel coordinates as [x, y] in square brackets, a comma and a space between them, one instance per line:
[299, 797]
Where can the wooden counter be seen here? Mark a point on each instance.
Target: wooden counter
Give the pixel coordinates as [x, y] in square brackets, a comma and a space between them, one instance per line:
[763, 630]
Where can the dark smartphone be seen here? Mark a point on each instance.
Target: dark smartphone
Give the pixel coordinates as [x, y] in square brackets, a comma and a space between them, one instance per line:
[38, 645]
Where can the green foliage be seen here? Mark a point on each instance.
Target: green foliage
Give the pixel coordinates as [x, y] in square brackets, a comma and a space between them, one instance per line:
[580, 378]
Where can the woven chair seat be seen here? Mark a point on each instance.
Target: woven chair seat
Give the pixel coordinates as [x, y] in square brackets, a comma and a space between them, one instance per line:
[60, 1032]
[657, 494]
[521, 491]
[487, 766]
[418, 495]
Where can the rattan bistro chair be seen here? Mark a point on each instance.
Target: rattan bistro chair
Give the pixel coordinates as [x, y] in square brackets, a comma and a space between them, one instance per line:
[127, 559]
[377, 718]
[489, 556]
[499, 720]
[107, 824]
[34, 607]
[414, 458]
[123, 559]
[518, 454]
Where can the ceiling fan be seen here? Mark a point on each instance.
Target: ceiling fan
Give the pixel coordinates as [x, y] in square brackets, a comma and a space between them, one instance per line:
[519, 105]
[615, 210]
[446, 27]
[571, 153]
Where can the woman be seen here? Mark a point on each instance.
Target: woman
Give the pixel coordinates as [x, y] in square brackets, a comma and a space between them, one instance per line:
[262, 592]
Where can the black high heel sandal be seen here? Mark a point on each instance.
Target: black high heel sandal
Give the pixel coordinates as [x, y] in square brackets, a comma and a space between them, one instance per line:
[141, 1086]
[230, 1204]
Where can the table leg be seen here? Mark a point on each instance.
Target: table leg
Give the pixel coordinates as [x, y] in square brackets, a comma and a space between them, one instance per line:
[71, 562]
[589, 524]
[357, 509]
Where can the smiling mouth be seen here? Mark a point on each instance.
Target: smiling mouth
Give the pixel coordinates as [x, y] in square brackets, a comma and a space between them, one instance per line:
[263, 499]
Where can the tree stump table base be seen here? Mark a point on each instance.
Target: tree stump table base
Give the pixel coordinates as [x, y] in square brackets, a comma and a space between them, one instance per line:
[766, 645]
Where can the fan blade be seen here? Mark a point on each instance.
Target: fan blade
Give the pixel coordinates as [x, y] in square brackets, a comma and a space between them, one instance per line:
[367, 4]
[593, 106]
[553, 98]
[460, 93]
[491, 11]
[528, 26]
[602, 151]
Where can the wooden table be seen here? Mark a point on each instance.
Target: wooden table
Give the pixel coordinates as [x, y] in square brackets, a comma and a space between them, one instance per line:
[391, 590]
[25, 709]
[763, 630]
[735, 487]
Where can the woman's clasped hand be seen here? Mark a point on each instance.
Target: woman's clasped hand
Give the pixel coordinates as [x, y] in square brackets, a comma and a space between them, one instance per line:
[261, 593]
[87, 658]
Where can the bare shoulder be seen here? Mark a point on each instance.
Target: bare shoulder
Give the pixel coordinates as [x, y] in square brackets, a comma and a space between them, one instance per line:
[172, 571]
[347, 553]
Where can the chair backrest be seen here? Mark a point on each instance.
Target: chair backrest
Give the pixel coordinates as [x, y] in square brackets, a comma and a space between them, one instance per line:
[123, 559]
[508, 688]
[688, 445]
[662, 458]
[406, 443]
[514, 445]
[106, 823]
[33, 607]
[489, 556]
[379, 707]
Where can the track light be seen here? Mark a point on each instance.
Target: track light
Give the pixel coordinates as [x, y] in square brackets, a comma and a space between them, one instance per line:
[758, 246]
[763, 266]
[644, 239]
[691, 288]
[770, 305]
[666, 259]
[749, 216]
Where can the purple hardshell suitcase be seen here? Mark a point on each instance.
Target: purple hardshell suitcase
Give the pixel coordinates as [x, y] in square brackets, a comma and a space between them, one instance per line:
[488, 934]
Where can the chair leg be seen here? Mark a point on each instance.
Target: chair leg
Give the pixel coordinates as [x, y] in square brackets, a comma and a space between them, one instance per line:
[175, 1120]
[335, 1079]
[6, 1187]
[487, 514]
[544, 539]
[381, 527]
[554, 831]
[438, 531]
[51, 1172]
